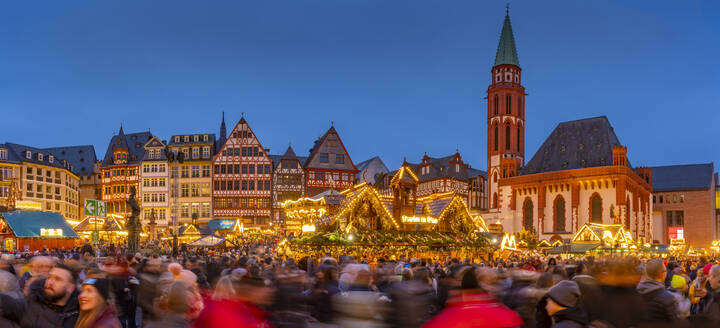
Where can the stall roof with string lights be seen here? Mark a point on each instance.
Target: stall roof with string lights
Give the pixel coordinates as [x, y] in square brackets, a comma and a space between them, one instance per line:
[35, 230]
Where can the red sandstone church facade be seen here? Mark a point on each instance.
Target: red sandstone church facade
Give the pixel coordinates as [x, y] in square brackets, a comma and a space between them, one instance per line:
[581, 173]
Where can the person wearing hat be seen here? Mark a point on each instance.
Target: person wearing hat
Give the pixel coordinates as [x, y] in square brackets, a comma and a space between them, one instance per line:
[678, 289]
[96, 309]
[560, 304]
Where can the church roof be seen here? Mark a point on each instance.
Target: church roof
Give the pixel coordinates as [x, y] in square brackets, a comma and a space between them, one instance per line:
[682, 177]
[574, 145]
[506, 51]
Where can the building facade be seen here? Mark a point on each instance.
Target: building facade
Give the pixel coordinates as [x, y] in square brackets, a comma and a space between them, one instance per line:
[506, 115]
[87, 167]
[288, 182]
[191, 176]
[329, 165]
[685, 204]
[120, 170]
[36, 175]
[241, 178]
[477, 182]
[154, 183]
[580, 175]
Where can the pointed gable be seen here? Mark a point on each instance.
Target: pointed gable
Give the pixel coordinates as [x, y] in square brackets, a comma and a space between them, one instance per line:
[329, 152]
[154, 150]
[133, 143]
[242, 136]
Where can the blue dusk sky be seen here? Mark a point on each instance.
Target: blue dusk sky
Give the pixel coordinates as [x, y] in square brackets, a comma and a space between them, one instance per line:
[398, 78]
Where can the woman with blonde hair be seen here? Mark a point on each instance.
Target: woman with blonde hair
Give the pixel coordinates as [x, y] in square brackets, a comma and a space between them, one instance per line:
[96, 309]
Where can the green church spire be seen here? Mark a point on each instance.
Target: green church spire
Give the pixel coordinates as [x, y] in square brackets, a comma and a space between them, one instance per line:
[506, 51]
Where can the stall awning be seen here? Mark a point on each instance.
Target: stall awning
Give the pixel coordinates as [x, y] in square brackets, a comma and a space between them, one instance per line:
[102, 224]
[573, 248]
[29, 224]
[207, 241]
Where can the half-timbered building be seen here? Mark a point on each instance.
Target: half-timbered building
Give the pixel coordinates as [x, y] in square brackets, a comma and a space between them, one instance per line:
[120, 170]
[241, 178]
[288, 181]
[329, 165]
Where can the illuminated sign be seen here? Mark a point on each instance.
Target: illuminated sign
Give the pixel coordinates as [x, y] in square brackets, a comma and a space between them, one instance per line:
[28, 205]
[51, 232]
[419, 219]
[98, 221]
[676, 233]
[226, 224]
[308, 228]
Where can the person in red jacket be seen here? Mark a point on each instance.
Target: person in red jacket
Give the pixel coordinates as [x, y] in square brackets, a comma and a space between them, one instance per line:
[473, 307]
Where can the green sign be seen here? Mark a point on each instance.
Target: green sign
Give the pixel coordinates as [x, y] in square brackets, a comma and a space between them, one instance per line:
[96, 208]
[95, 236]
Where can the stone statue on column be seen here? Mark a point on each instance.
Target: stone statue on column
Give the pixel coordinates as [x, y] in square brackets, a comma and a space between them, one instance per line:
[133, 223]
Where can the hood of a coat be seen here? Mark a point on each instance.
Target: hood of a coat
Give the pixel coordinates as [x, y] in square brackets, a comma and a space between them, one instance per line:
[647, 286]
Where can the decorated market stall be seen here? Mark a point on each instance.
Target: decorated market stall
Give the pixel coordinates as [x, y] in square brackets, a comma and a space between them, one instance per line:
[209, 241]
[109, 228]
[367, 223]
[35, 230]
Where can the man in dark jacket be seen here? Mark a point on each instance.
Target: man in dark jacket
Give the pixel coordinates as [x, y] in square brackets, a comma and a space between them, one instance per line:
[591, 298]
[660, 303]
[561, 304]
[51, 302]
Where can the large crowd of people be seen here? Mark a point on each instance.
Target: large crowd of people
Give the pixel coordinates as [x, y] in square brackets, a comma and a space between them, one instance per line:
[253, 286]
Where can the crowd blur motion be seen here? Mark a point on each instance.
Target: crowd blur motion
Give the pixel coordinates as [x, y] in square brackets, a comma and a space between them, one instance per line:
[254, 287]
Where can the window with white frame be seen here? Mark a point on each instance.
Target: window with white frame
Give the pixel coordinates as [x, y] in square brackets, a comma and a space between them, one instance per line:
[187, 139]
[28, 154]
[206, 152]
[196, 152]
[195, 138]
[177, 139]
[205, 137]
[40, 156]
[3, 153]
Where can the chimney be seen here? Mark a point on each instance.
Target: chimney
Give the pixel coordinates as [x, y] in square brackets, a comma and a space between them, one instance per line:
[619, 155]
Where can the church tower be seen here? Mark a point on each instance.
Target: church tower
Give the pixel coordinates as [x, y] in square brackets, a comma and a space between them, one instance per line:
[506, 115]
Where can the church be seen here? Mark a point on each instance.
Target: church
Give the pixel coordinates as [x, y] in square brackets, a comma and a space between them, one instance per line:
[580, 174]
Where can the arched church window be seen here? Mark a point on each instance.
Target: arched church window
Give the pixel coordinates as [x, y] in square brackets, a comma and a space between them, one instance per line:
[596, 209]
[508, 104]
[528, 215]
[517, 141]
[495, 202]
[495, 139]
[507, 137]
[560, 214]
[496, 104]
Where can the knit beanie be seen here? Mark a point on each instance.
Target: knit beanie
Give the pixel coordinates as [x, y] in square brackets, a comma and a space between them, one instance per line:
[101, 284]
[566, 293]
[678, 281]
[706, 269]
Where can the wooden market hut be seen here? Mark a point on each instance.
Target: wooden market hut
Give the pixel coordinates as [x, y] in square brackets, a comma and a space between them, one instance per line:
[209, 241]
[35, 230]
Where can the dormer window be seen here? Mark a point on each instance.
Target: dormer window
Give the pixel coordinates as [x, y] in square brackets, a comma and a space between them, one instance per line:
[177, 139]
[187, 139]
[205, 137]
[28, 154]
[51, 159]
[195, 138]
[3, 154]
[40, 156]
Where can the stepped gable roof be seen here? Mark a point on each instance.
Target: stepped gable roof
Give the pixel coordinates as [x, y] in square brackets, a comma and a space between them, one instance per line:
[575, 144]
[82, 158]
[506, 50]
[16, 152]
[442, 167]
[472, 173]
[682, 177]
[133, 142]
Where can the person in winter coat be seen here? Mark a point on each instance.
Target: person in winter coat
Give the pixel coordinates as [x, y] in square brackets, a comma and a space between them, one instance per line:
[561, 305]
[96, 309]
[51, 302]
[473, 307]
[590, 293]
[660, 303]
[678, 289]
